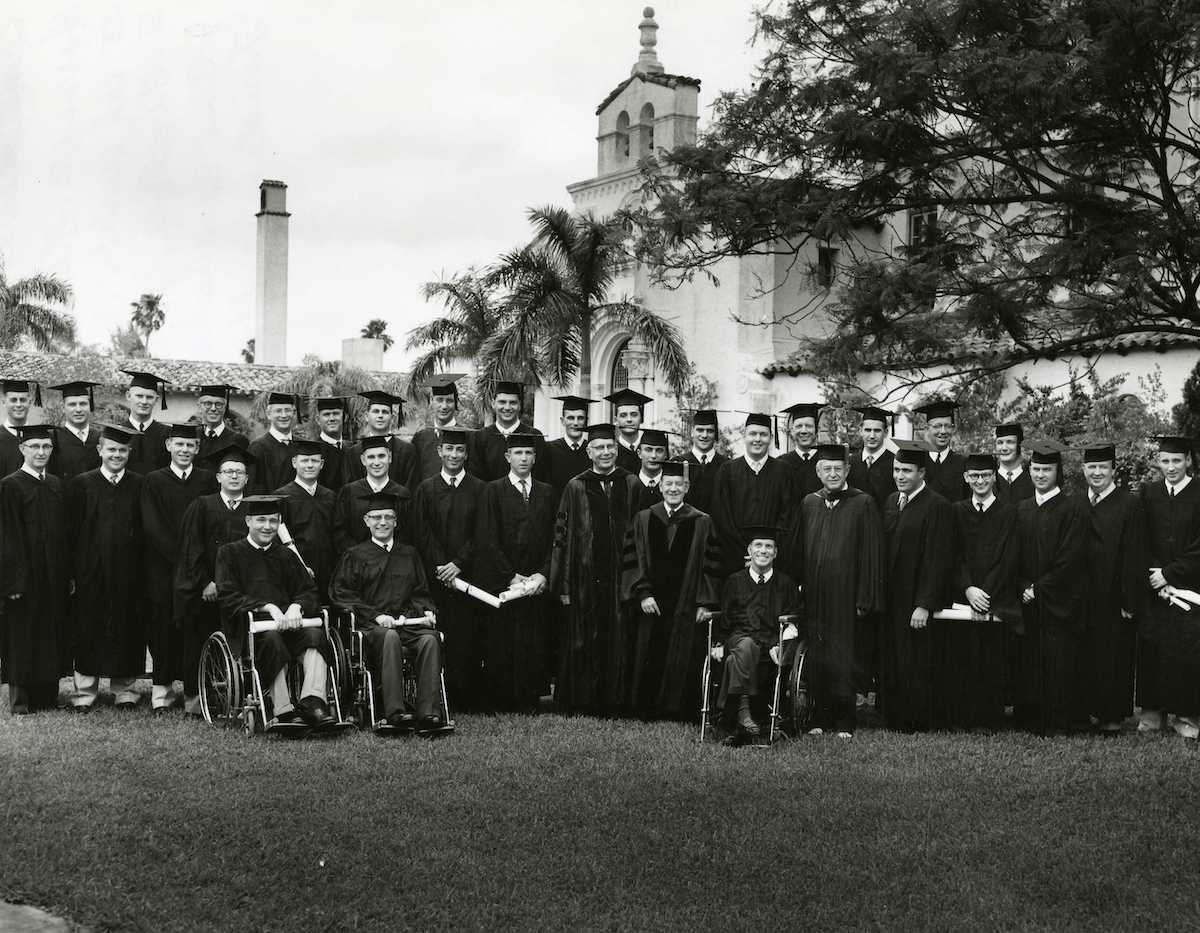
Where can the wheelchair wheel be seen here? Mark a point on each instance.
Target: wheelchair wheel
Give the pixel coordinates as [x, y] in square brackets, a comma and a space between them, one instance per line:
[802, 701]
[706, 713]
[339, 671]
[220, 678]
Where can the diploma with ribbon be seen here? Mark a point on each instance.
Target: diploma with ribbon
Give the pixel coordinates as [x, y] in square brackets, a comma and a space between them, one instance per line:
[961, 612]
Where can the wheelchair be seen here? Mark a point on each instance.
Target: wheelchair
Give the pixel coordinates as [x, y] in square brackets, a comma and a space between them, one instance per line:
[789, 709]
[231, 691]
[366, 692]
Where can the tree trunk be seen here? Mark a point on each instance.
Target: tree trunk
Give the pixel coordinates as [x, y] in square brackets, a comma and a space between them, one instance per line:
[585, 355]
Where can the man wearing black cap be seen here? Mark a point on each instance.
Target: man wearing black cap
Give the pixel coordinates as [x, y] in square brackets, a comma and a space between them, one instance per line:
[166, 495]
[972, 682]
[259, 574]
[1117, 590]
[1012, 483]
[212, 520]
[703, 460]
[331, 421]
[566, 457]
[585, 575]
[946, 467]
[445, 513]
[629, 410]
[149, 450]
[35, 575]
[843, 575]
[652, 450]
[375, 459]
[107, 559]
[443, 404]
[309, 512]
[516, 538]
[754, 489]
[17, 396]
[488, 460]
[803, 419]
[871, 466]
[76, 442]
[669, 576]
[212, 404]
[385, 415]
[918, 525]
[381, 581]
[1168, 672]
[273, 451]
[1052, 532]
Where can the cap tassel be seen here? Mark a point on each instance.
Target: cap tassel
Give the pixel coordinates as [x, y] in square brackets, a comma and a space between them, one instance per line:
[37, 394]
[91, 398]
[775, 430]
[162, 395]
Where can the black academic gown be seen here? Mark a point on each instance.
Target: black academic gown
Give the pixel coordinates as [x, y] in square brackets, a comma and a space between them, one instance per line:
[309, 520]
[1116, 580]
[11, 457]
[749, 628]
[564, 464]
[72, 456]
[676, 561]
[1053, 554]
[1168, 673]
[148, 449]
[353, 502]
[487, 460]
[1020, 488]
[107, 558]
[444, 521]
[875, 480]
[272, 464]
[702, 479]
[35, 545]
[627, 457]
[919, 558]
[642, 496]
[804, 473]
[947, 477]
[227, 436]
[425, 442]
[742, 498]
[973, 662]
[334, 472]
[404, 468]
[843, 575]
[586, 566]
[516, 537]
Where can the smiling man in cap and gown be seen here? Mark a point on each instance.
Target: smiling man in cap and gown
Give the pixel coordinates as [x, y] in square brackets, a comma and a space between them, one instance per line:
[273, 451]
[487, 458]
[566, 457]
[375, 459]
[331, 435]
[946, 466]
[629, 411]
[702, 459]
[18, 394]
[76, 443]
[146, 393]
[1012, 478]
[443, 403]
[871, 465]
[804, 419]
[212, 405]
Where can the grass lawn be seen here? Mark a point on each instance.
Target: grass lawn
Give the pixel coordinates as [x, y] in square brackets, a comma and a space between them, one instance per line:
[125, 822]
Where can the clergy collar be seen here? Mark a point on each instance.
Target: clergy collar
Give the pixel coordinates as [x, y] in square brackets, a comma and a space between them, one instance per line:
[32, 472]
[453, 480]
[311, 490]
[182, 474]
[1103, 494]
[386, 545]
[766, 576]
[756, 465]
[1180, 486]
[1044, 497]
[513, 429]
[986, 503]
[112, 477]
[282, 438]
[378, 486]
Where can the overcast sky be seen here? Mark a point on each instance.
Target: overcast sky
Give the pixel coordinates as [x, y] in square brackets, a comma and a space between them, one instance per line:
[412, 136]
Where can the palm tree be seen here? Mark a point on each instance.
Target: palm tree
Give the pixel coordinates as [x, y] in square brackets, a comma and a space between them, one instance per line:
[319, 379]
[33, 310]
[558, 289]
[472, 316]
[376, 329]
[147, 316]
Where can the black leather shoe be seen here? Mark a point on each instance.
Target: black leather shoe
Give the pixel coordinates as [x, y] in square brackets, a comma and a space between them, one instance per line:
[82, 709]
[401, 720]
[315, 713]
[430, 723]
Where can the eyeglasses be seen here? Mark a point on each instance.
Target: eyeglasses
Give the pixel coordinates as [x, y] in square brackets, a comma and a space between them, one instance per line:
[212, 404]
[233, 472]
[380, 519]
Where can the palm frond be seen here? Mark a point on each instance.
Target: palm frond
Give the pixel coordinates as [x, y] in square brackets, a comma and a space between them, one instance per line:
[46, 328]
[42, 289]
[660, 338]
[555, 231]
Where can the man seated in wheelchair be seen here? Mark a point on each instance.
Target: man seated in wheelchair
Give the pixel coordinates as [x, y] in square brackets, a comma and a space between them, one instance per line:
[382, 582]
[258, 574]
[751, 603]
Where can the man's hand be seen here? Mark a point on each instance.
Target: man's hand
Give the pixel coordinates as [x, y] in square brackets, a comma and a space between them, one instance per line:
[565, 599]
[717, 652]
[210, 592]
[702, 614]
[538, 582]
[383, 620]
[274, 612]
[979, 600]
[71, 587]
[1126, 614]
[447, 573]
[1028, 596]
[790, 632]
[920, 618]
[860, 612]
[1157, 580]
[650, 606]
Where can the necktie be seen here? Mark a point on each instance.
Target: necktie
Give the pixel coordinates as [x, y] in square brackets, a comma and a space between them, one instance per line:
[525, 490]
[867, 461]
[453, 482]
[1171, 490]
[142, 427]
[1095, 497]
[113, 479]
[232, 505]
[606, 485]
[211, 432]
[902, 501]
[979, 506]
[652, 483]
[760, 579]
[41, 477]
[1009, 476]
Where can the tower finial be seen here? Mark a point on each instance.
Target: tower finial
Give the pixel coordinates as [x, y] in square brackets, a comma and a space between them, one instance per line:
[648, 62]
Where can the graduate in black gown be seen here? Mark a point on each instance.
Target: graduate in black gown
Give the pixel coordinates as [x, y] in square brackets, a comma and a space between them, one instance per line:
[443, 404]
[918, 525]
[210, 521]
[752, 601]
[331, 435]
[77, 442]
[670, 576]
[109, 638]
[166, 495]
[871, 465]
[566, 457]
[586, 576]
[971, 689]
[35, 577]
[703, 460]
[273, 451]
[382, 582]
[755, 489]
[1168, 670]
[353, 498]
[946, 466]
[652, 449]
[145, 395]
[308, 513]
[18, 394]
[212, 405]
[843, 580]
[1012, 478]
[385, 415]
[629, 411]
[1117, 590]
[445, 516]
[1052, 532]
[487, 459]
[259, 574]
[516, 538]
[803, 421]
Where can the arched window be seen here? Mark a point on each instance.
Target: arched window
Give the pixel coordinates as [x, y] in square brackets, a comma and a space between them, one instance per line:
[623, 135]
[619, 378]
[647, 129]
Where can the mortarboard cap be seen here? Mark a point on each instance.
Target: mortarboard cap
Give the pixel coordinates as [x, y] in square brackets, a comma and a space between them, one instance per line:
[381, 501]
[156, 384]
[379, 397]
[831, 452]
[937, 408]
[704, 416]
[508, 387]
[331, 403]
[1010, 430]
[874, 413]
[1098, 451]
[452, 435]
[628, 397]
[757, 419]
[77, 388]
[184, 429]
[232, 451]
[444, 384]
[654, 437]
[601, 431]
[913, 452]
[756, 532]
[1046, 452]
[215, 390]
[36, 432]
[674, 468]
[303, 447]
[574, 402]
[262, 505]
[375, 440]
[1174, 444]
[110, 432]
[517, 439]
[284, 398]
[981, 461]
[804, 410]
